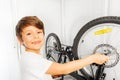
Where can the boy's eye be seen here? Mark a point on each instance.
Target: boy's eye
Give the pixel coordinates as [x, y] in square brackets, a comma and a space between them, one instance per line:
[39, 32]
[28, 34]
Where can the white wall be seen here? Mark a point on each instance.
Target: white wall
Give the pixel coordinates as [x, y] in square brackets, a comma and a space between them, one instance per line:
[77, 13]
[114, 8]
[9, 65]
[63, 17]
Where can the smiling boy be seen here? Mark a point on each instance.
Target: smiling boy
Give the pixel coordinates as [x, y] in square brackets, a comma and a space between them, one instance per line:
[30, 33]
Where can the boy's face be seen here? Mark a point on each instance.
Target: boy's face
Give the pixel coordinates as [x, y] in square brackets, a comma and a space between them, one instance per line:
[32, 38]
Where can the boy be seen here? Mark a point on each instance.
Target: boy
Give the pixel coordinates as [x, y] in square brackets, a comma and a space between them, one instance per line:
[30, 33]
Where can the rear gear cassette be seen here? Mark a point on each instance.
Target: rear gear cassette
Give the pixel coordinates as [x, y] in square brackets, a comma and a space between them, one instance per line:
[110, 51]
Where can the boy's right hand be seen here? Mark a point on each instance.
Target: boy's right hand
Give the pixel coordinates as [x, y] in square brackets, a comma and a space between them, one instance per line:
[99, 58]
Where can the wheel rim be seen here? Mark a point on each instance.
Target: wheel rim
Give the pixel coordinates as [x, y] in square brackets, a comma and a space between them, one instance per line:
[104, 35]
[52, 48]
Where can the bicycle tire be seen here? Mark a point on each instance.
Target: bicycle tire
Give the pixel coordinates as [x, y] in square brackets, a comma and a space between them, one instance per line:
[85, 28]
[53, 48]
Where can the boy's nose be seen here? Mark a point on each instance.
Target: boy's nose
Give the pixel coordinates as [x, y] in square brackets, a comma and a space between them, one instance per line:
[36, 36]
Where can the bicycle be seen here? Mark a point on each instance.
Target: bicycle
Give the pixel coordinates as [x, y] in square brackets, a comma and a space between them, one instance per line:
[103, 32]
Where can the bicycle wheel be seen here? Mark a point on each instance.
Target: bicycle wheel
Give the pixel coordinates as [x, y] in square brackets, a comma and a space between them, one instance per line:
[100, 35]
[52, 47]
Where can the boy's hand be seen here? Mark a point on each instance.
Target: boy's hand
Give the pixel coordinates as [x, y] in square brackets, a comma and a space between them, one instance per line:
[100, 58]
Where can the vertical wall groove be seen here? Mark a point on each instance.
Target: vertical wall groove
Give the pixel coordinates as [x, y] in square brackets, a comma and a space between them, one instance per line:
[63, 20]
[107, 7]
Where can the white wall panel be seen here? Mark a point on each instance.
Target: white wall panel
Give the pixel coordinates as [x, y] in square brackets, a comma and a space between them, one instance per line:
[114, 9]
[78, 13]
[9, 65]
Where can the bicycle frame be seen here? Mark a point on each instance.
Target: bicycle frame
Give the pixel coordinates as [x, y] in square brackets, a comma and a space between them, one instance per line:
[100, 75]
[67, 52]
